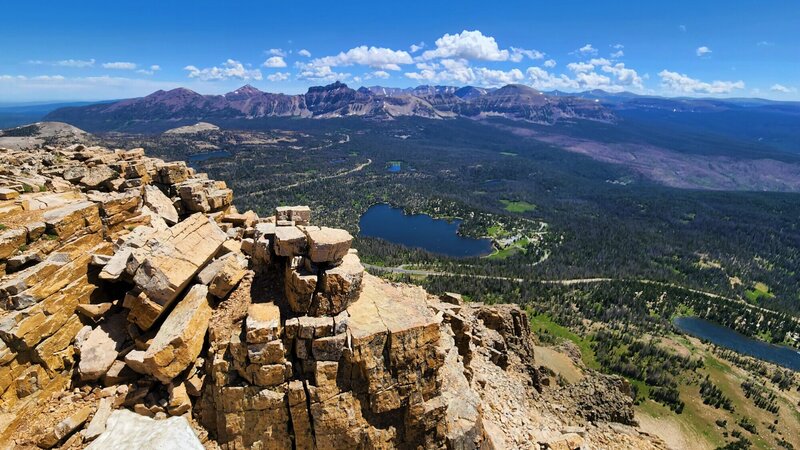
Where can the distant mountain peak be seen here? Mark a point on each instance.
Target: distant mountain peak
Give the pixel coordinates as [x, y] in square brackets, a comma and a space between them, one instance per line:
[247, 89]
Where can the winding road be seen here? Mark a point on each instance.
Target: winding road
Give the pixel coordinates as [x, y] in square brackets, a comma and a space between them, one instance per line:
[357, 168]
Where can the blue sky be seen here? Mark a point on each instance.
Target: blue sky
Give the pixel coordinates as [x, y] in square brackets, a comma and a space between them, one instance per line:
[91, 50]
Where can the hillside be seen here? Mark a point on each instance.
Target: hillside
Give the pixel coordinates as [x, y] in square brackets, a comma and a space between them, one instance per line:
[131, 283]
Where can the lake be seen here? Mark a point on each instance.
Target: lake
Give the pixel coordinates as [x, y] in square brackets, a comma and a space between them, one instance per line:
[420, 230]
[726, 337]
[209, 155]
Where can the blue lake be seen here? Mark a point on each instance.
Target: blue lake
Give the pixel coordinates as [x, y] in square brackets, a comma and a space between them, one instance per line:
[209, 155]
[725, 337]
[420, 230]
[394, 168]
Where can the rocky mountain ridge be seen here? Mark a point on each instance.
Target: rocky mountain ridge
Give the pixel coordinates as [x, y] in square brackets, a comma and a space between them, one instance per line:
[139, 307]
[336, 100]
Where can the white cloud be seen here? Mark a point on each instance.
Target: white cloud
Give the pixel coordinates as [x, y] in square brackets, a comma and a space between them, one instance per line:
[153, 69]
[782, 89]
[518, 53]
[618, 54]
[73, 63]
[587, 50]
[321, 73]
[681, 83]
[277, 52]
[120, 65]
[494, 78]
[765, 43]
[467, 45]
[58, 87]
[305, 53]
[617, 46]
[703, 51]
[544, 80]
[414, 48]
[374, 57]
[278, 76]
[230, 69]
[579, 67]
[381, 74]
[624, 76]
[275, 61]
[550, 63]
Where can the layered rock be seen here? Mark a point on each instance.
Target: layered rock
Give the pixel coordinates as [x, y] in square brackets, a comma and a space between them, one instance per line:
[128, 282]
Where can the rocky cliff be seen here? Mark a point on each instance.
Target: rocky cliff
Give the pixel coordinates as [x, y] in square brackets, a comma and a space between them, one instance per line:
[139, 308]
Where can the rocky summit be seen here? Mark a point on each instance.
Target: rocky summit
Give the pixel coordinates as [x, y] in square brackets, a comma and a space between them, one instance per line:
[140, 309]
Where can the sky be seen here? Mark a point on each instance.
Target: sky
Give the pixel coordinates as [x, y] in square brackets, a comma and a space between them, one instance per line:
[91, 50]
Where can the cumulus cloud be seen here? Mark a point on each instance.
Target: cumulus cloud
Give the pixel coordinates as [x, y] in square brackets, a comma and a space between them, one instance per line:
[321, 73]
[278, 76]
[494, 78]
[587, 50]
[782, 89]
[305, 53]
[381, 74]
[153, 69]
[703, 51]
[544, 80]
[518, 53]
[618, 54]
[72, 63]
[230, 69]
[579, 67]
[277, 52]
[467, 45]
[550, 63]
[414, 48]
[275, 61]
[681, 83]
[459, 71]
[623, 75]
[120, 65]
[374, 57]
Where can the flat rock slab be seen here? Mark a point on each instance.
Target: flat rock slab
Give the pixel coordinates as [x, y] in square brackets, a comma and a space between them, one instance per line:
[290, 241]
[126, 429]
[101, 348]
[327, 244]
[169, 266]
[180, 338]
[160, 204]
[263, 323]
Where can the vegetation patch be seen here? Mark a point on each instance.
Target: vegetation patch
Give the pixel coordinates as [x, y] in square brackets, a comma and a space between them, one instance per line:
[517, 206]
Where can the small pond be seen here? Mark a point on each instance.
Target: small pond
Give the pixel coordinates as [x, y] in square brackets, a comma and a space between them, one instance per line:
[420, 230]
[728, 338]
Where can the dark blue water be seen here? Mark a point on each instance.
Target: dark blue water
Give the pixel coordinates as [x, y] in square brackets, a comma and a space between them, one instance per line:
[209, 155]
[420, 230]
[394, 168]
[725, 337]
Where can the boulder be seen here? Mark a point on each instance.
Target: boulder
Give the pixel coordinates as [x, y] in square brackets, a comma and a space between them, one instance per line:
[98, 423]
[340, 287]
[11, 241]
[232, 270]
[126, 429]
[327, 244]
[167, 267]
[8, 194]
[290, 241]
[180, 338]
[101, 348]
[95, 177]
[299, 286]
[263, 323]
[65, 428]
[301, 215]
[160, 204]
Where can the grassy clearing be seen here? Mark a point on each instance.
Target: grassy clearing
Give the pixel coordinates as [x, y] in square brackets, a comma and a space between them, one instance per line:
[543, 324]
[517, 206]
[759, 291]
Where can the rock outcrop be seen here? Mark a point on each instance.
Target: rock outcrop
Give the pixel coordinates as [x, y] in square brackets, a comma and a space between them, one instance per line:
[132, 289]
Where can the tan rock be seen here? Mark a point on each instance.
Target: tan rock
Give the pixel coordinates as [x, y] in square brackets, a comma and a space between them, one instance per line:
[233, 269]
[11, 241]
[135, 360]
[95, 177]
[8, 194]
[101, 348]
[160, 204]
[167, 268]
[340, 287]
[65, 428]
[263, 323]
[299, 289]
[314, 327]
[327, 244]
[300, 215]
[172, 172]
[98, 423]
[328, 348]
[67, 220]
[301, 419]
[271, 352]
[179, 402]
[267, 375]
[181, 336]
[290, 241]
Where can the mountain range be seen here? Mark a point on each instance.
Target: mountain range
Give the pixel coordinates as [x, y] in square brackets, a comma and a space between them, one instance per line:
[337, 100]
